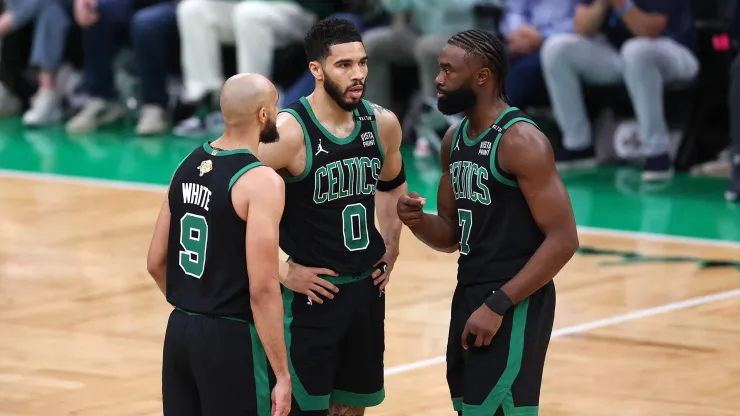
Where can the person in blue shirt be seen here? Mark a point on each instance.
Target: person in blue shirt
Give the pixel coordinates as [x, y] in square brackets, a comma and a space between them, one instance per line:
[643, 43]
[526, 24]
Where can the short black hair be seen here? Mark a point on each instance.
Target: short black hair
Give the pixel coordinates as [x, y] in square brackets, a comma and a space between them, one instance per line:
[490, 50]
[327, 33]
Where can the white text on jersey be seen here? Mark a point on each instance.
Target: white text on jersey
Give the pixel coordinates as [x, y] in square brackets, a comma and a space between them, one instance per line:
[193, 193]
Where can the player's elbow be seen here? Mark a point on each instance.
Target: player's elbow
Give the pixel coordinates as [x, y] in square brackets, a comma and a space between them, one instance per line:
[264, 292]
[569, 243]
[155, 266]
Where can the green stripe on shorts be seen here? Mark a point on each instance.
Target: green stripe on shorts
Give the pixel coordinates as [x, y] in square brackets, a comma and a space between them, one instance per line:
[502, 389]
[261, 382]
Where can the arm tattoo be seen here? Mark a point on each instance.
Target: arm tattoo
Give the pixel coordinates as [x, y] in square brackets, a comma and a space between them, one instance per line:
[377, 108]
[342, 410]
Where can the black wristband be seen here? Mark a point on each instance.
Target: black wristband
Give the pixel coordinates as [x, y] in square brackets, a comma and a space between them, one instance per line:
[499, 302]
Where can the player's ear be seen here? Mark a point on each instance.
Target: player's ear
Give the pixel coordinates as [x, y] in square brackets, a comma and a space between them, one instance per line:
[262, 115]
[484, 74]
[316, 70]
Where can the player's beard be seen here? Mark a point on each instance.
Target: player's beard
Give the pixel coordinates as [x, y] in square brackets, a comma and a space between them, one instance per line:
[456, 101]
[334, 91]
[269, 132]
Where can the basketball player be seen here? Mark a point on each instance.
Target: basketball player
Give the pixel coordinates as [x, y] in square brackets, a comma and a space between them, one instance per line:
[212, 255]
[502, 204]
[335, 151]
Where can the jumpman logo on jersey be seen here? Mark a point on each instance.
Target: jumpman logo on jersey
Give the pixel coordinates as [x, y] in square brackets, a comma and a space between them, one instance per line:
[457, 145]
[321, 149]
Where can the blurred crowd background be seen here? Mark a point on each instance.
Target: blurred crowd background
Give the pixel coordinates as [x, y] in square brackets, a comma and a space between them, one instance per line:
[654, 83]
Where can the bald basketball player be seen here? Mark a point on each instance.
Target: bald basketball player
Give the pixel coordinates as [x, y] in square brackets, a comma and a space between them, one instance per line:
[213, 257]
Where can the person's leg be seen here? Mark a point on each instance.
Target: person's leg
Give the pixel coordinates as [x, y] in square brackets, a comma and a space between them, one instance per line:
[15, 90]
[179, 392]
[50, 37]
[505, 377]
[567, 60]
[426, 52]
[100, 43]
[153, 36]
[733, 193]
[525, 82]
[312, 336]
[306, 82]
[360, 380]
[385, 46]
[648, 65]
[263, 26]
[203, 26]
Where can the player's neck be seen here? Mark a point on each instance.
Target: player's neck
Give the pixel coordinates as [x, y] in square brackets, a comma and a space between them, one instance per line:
[327, 110]
[484, 114]
[238, 139]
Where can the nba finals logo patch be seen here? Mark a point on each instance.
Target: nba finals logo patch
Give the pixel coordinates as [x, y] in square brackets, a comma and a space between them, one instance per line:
[205, 167]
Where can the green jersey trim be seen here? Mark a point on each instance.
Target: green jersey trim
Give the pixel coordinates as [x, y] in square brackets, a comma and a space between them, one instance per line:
[494, 151]
[213, 152]
[480, 137]
[242, 171]
[309, 148]
[331, 137]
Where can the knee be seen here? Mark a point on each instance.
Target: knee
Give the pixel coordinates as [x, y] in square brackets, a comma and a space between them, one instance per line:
[191, 12]
[252, 12]
[557, 49]
[147, 22]
[638, 52]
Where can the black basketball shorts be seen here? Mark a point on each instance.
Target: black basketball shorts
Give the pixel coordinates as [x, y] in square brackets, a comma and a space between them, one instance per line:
[336, 349]
[214, 367]
[505, 377]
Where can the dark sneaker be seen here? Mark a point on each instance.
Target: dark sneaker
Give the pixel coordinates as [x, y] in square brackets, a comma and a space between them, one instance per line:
[657, 168]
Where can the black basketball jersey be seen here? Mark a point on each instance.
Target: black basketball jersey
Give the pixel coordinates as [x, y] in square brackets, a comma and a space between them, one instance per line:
[498, 234]
[329, 215]
[206, 259]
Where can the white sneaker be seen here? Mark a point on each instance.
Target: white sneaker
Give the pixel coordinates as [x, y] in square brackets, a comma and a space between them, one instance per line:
[45, 109]
[152, 120]
[97, 112]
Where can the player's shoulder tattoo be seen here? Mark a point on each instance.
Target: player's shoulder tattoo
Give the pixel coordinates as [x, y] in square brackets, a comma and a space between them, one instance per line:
[377, 108]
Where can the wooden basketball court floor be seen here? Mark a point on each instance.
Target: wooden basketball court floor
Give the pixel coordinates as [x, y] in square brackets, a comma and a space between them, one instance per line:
[82, 323]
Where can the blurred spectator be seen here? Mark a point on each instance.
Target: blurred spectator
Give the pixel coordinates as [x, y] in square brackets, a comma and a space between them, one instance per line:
[733, 193]
[419, 42]
[526, 24]
[257, 27]
[49, 36]
[107, 25]
[644, 43]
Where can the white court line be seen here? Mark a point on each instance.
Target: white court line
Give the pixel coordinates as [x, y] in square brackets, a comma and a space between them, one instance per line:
[136, 186]
[441, 359]
[577, 329]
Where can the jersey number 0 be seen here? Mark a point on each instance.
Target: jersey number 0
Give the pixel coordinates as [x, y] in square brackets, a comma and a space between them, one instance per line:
[194, 241]
[354, 227]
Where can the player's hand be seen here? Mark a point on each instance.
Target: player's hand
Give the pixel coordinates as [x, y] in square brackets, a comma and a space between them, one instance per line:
[383, 278]
[281, 396]
[409, 208]
[483, 323]
[306, 280]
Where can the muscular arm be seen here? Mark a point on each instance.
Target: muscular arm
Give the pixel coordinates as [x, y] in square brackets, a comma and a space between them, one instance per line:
[525, 152]
[640, 22]
[287, 157]
[389, 130]
[440, 231]
[156, 259]
[587, 19]
[264, 193]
